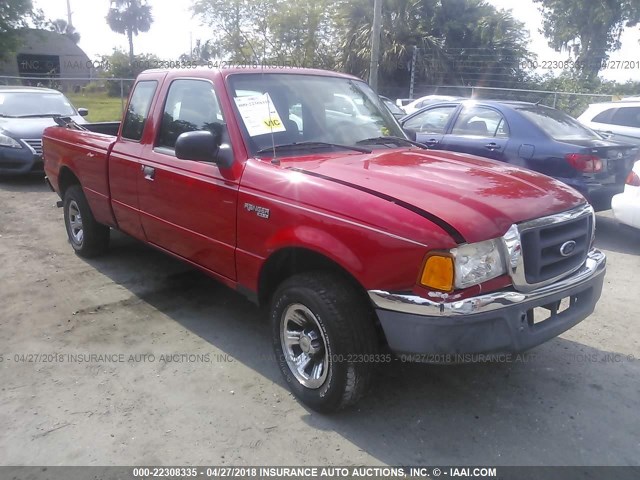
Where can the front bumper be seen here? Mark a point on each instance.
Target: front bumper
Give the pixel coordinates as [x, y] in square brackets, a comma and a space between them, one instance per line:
[495, 322]
[16, 161]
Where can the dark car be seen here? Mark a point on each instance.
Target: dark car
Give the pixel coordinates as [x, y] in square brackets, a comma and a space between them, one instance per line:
[528, 135]
[24, 114]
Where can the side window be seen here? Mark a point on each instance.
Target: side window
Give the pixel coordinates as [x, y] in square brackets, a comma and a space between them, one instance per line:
[138, 110]
[627, 117]
[191, 105]
[604, 117]
[481, 122]
[431, 121]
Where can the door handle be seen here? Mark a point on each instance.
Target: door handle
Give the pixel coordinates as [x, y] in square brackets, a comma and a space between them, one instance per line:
[432, 142]
[148, 172]
[492, 146]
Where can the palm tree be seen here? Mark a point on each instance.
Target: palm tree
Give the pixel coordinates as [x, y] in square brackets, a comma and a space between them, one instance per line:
[402, 30]
[129, 17]
[61, 26]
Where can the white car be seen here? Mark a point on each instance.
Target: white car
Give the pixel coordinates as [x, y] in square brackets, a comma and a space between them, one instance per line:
[620, 121]
[422, 102]
[626, 205]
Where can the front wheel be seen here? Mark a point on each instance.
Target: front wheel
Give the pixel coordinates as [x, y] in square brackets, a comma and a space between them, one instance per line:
[87, 237]
[324, 339]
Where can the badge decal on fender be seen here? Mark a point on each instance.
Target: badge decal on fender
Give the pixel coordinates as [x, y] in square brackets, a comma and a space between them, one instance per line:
[261, 212]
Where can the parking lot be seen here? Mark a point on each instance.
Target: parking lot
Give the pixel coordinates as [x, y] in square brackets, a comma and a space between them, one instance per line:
[135, 358]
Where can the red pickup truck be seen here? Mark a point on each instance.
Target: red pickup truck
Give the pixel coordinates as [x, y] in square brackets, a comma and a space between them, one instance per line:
[299, 189]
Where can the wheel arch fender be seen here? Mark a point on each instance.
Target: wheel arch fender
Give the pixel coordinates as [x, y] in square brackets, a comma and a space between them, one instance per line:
[66, 178]
[302, 249]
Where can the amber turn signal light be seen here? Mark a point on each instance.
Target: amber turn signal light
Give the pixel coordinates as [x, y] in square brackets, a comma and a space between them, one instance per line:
[438, 273]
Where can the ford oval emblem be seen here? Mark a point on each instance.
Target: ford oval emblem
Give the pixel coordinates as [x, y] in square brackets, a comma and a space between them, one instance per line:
[567, 248]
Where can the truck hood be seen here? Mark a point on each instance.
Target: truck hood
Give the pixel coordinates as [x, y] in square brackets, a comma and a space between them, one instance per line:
[479, 198]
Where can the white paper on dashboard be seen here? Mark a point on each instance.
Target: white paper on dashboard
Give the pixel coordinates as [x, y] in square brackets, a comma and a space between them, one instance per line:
[259, 114]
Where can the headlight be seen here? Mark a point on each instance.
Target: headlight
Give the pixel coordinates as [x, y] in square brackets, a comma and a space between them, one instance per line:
[7, 141]
[477, 262]
[464, 266]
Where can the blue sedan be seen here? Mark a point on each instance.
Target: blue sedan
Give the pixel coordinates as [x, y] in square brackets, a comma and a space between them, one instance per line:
[528, 135]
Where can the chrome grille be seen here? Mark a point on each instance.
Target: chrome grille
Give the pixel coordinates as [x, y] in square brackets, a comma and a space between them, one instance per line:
[35, 144]
[543, 253]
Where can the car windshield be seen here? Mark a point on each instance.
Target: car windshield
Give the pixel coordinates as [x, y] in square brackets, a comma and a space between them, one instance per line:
[558, 125]
[34, 103]
[283, 109]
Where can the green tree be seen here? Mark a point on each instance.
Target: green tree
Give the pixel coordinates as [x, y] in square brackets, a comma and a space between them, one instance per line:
[129, 17]
[402, 30]
[14, 14]
[482, 45]
[303, 32]
[202, 52]
[459, 42]
[248, 31]
[236, 23]
[589, 30]
[119, 65]
[61, 26]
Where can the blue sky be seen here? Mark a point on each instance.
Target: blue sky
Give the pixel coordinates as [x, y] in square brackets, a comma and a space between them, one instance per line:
[174, 28]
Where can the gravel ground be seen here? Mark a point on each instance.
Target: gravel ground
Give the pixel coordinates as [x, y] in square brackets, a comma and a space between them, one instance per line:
[186, 374]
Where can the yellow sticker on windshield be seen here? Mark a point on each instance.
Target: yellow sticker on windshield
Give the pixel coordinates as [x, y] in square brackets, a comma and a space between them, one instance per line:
[259, 115]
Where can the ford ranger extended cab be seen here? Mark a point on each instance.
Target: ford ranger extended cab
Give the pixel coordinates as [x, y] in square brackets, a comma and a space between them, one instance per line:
[359, 241]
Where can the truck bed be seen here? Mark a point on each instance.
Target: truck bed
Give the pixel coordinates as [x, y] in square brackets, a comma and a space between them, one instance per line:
[106, 128]
[86, 153]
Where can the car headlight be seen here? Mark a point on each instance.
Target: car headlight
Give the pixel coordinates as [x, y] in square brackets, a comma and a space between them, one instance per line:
[478, 262]
[7, 141]
[464, 266]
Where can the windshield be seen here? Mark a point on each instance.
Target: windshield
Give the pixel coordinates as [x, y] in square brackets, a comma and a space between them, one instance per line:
[282, 109]
[20, 104]
[558, 125]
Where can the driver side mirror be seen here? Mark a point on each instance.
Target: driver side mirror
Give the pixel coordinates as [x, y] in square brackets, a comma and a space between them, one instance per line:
[83, 112]
[205, 146]
[199, 145]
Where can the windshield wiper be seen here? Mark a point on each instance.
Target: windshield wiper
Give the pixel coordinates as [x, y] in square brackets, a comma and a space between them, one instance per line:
[35, 115]
[2, 115]
[387, 140]
[302, 145]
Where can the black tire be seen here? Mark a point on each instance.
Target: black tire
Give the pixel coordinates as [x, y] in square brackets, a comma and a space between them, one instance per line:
[344, 321]
[87, 237]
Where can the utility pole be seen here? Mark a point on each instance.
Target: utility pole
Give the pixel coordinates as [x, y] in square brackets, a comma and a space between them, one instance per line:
[413, 71]
[69, 22]
[375, 45]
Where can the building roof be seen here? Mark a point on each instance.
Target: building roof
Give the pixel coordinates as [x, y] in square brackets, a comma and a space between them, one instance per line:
[45, 42]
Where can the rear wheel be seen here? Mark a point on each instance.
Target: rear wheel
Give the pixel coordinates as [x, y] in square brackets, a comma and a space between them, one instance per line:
[324, 339]
[87, 237]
